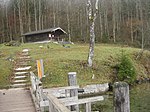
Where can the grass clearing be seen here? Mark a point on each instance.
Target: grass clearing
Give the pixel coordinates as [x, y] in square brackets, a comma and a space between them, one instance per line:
[58, 61]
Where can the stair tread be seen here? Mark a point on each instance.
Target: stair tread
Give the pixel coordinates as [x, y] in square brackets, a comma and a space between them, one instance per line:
[23, 68]
[18, 77]
[20, 73]
[19, 85]
[19, 81]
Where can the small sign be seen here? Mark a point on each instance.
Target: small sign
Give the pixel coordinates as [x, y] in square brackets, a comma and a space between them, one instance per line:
[40, 68]
[50, 35]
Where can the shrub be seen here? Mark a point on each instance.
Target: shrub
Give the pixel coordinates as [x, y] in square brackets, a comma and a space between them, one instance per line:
[126, 69]
[105, 38]
[13, 43]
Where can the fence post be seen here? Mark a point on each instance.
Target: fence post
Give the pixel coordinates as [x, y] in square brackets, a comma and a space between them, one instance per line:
[88, 107]
[72, 81]
[121, 97]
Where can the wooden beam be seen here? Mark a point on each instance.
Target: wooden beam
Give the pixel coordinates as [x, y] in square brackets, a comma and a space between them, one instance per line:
[56, 105]
[65, 88]
[73, 101]
[69, 99]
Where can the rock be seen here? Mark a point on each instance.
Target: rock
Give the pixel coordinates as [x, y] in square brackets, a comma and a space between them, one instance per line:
[25, 50]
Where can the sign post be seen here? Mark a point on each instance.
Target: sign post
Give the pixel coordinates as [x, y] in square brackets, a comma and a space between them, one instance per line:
[40, 68]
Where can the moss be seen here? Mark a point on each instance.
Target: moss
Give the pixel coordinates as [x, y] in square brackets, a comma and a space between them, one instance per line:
[120, 84]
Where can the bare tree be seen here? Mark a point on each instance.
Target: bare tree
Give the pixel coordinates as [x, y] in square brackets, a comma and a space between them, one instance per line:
[68, 20]
[20, 17]
[125, 21]
[114, 19]
[29, 17]
[142, 25]
[35, 16]
[40, 14]
[92, 18]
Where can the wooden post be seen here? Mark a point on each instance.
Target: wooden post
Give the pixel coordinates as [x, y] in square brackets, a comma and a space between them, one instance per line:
[72, 81]
[121, 97]
[88, 107]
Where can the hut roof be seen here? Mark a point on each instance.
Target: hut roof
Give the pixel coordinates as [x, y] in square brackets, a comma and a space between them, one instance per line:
[50, 30]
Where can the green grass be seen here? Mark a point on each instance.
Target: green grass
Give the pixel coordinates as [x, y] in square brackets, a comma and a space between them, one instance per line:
[58, 61]
[5, 65]
[139, 100]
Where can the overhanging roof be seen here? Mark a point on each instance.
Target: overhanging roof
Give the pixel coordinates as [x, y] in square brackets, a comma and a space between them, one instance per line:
[50, 30]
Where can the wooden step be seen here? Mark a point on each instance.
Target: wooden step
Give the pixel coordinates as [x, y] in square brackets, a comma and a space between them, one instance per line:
[24, 57]
[19, 85]
[23, 68]
[22, 64]
[21, 73]
[20, 81]
[20, 77]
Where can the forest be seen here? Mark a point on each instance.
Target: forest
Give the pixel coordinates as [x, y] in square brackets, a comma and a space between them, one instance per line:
[118, 21]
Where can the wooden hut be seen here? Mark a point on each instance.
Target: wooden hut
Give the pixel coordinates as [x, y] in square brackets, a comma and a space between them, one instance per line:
[43, 35]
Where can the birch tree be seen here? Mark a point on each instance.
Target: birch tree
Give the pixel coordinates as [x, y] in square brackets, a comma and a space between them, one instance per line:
[92, 17]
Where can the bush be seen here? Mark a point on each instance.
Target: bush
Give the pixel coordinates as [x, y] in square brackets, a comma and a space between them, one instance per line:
[13, 43]
[105, 38]
[126, 69]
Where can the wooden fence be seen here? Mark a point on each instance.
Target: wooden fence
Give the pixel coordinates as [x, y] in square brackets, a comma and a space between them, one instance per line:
[46, 101]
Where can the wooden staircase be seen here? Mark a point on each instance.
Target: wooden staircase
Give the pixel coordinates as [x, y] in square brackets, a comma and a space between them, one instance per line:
[22, 68]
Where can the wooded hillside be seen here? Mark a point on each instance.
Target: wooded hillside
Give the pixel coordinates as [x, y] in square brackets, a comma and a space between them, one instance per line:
[118, 21]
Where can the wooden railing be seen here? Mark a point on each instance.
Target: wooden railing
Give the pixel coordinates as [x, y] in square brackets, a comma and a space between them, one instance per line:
[43, 101]
[55, 105]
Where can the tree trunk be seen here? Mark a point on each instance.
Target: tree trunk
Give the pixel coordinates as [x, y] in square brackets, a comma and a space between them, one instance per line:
[20, 17]
[15, 25]
[68, 21]
[101, 24]
[142, 25]
[131, 29]
[92, 43]
[7, 23]
[40, 14]
[92, 33]
[114, 21]
[35, 15]
[29, 17]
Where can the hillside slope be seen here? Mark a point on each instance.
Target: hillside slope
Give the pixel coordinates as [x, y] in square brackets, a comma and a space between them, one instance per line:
[59, 60]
